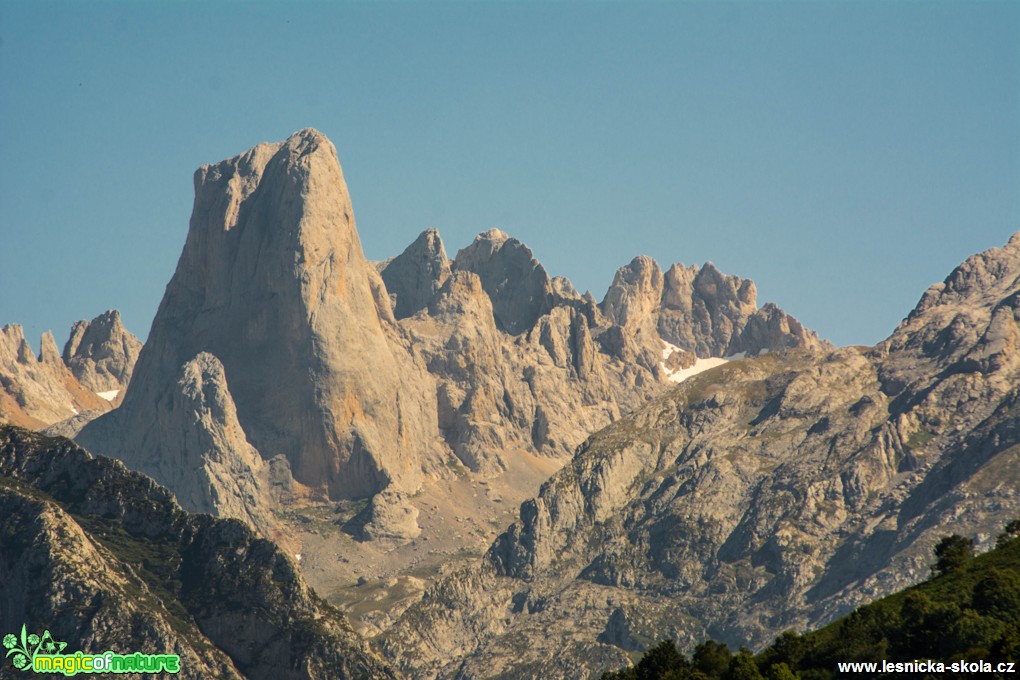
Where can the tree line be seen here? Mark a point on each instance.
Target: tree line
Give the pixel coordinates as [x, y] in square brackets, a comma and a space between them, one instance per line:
[968, 610]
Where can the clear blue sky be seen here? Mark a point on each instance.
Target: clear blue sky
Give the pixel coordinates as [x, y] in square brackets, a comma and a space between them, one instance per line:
[844, 155]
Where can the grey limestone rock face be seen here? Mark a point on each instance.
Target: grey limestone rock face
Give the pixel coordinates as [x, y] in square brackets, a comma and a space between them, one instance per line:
[701, 311]
[635, 295]
[367, 377]
[541, 391]
[272, 281]
[631, 306]
[200, 448]
[518, 285]
[414, 276]
[704, 309]
[39, 391]
[770, 329]
[769, 493]
[102, 353]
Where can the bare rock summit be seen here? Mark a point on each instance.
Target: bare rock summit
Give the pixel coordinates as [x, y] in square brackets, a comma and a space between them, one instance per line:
[516, 282]
[414, 276]
[273, 283]
[101, 354]
[39, 391]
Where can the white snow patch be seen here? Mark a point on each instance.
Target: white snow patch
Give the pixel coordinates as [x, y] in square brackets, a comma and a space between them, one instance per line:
[109, 396]
[700, 365]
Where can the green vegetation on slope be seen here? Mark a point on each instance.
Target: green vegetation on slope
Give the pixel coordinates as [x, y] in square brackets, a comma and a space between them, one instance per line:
[968, 611]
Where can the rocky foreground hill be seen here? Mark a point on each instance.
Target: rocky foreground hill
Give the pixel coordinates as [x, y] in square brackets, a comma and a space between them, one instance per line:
[103, 558]
[769, 493]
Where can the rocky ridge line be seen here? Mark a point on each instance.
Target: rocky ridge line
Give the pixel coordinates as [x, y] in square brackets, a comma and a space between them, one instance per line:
[393, 375]
[75, 386]
[769, 493]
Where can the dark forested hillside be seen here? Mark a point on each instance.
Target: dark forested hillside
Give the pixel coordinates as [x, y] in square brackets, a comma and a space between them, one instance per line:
[969, 611]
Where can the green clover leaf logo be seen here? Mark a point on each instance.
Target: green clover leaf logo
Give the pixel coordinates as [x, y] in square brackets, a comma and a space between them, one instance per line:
[30, 645]
[50, 646]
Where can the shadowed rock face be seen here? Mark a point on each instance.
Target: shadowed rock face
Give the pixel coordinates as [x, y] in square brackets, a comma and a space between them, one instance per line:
[770, 493]
[273, 283]
[105, 559]
[414, 276]
[518, 285]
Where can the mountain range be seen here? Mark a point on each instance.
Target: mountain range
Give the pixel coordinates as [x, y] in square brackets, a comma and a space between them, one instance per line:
[685, 462]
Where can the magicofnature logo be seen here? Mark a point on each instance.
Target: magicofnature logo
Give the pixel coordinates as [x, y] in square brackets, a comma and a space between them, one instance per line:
[43, 654]
[31, 645]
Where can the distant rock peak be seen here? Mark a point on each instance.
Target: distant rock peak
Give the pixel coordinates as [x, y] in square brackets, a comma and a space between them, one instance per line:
[517, 284]
[635, 294]
[37, 391]
[697, 309]
[102, 353]
[414, 276]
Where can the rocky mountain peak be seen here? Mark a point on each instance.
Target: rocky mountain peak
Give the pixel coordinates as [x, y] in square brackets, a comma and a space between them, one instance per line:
[635, 294]
[515, 281]
[14, 344]
[48, 352]
[273, 283]
[699, 310]
[966, 324]
[462, 295]
[704, 309]
[414, 276]
[770, 329]
[983, 276]
[38, 391]
[102, 353]
[494, 236]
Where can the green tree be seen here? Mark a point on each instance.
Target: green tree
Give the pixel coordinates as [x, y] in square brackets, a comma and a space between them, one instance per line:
[787, 650]
[971, 631]
[659, 660]
[923, 624]
[712, 658]
[743, 667]
[997, 594]
[1011, 531]
[780, 671]
[952, 553]
[1007, 647]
